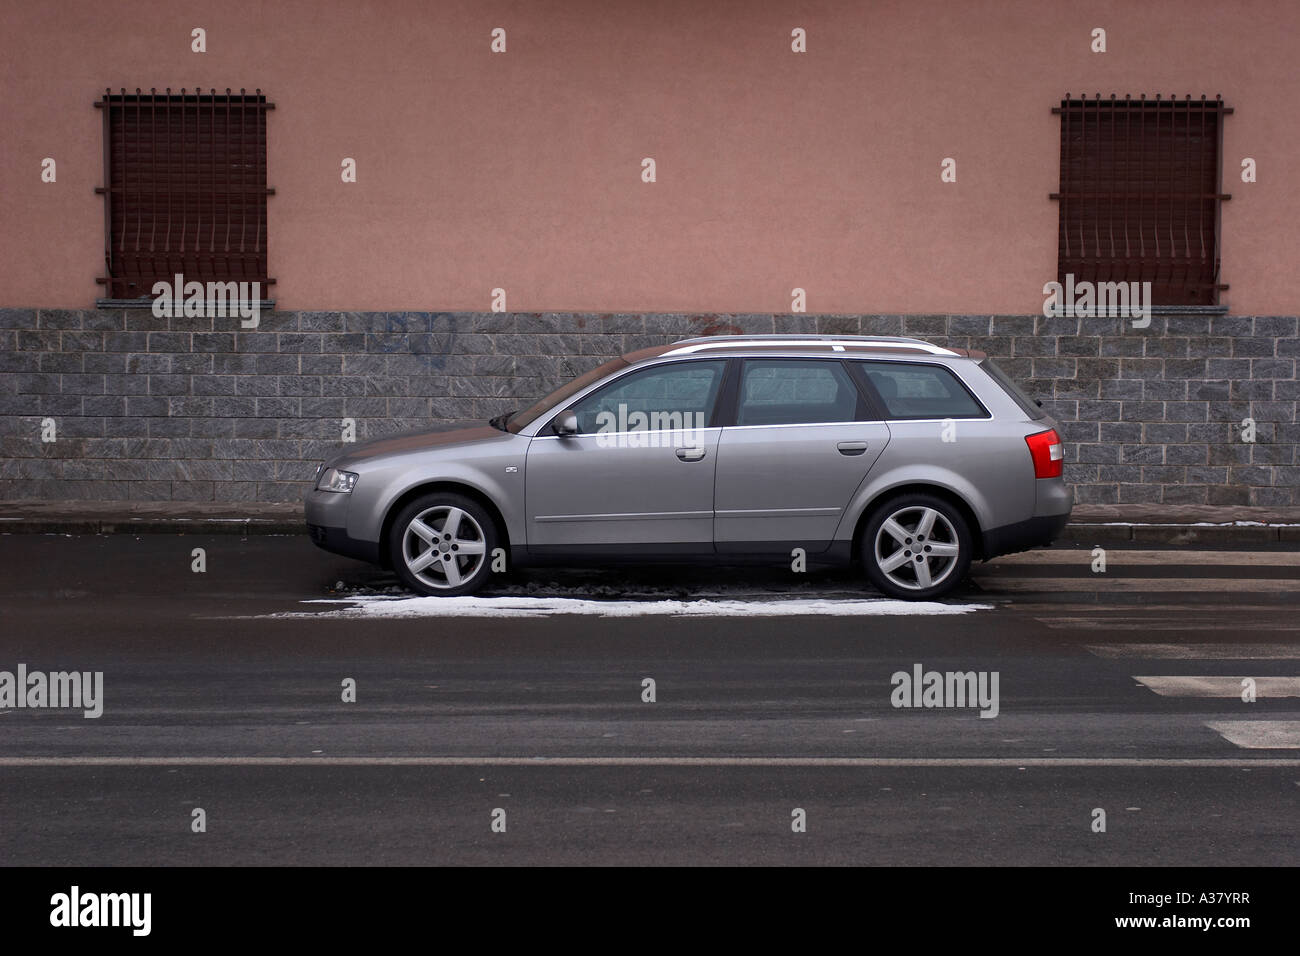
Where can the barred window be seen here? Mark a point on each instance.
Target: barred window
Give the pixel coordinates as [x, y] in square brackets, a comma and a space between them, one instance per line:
[185, 189]
[1140, 194]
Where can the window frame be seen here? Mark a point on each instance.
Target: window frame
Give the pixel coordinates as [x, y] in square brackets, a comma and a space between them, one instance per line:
[207, 185]
[1104, 189]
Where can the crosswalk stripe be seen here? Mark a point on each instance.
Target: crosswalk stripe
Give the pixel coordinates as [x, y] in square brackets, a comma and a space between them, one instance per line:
[1189, 652]
[1104, 584]
[1169, 558]
[1211, 623]
[1220, 686]
[1259, 734]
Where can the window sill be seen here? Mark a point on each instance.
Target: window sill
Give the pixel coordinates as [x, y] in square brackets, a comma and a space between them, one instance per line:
[265, 305]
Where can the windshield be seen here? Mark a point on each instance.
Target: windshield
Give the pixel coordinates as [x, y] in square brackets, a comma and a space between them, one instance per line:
[530, 414]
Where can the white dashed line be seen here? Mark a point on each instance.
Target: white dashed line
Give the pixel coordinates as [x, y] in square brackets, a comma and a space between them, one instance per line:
[1226, 687]
[1017, 763]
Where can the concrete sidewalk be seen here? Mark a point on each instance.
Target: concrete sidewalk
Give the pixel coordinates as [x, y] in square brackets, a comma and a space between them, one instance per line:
[1168, 525]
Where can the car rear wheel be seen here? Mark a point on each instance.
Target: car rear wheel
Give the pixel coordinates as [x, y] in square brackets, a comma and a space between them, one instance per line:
[916, 547]
[441, 544]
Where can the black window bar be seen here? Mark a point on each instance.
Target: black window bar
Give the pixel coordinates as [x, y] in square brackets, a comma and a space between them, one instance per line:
[1140, 194]
[185, 189]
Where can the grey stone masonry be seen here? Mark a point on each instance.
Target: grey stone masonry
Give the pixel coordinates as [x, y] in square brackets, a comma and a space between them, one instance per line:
[200, 409]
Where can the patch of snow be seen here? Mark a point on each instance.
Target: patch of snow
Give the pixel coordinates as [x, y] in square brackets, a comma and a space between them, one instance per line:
[416, 607]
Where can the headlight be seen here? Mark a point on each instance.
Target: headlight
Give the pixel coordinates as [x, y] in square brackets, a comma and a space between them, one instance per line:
[331, 479]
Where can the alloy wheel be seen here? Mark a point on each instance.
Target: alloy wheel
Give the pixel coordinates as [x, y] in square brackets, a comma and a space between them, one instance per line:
[444, 547]
[916, 548]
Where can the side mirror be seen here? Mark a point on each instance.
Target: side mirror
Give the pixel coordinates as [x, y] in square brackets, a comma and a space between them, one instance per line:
[565, 424]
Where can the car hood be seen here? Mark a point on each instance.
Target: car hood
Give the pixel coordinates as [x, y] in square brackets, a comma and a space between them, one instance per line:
[416, 441]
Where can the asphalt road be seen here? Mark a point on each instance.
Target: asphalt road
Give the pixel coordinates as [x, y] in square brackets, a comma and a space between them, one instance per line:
[222, 690]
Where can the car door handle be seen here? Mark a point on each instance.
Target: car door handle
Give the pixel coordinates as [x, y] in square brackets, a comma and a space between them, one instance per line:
[852, 447]
[690, 454]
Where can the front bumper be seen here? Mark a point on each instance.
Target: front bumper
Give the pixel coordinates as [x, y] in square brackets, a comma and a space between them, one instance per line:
[327, 523]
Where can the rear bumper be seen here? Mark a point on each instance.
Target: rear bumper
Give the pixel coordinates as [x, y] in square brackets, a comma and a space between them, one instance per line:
[1023, 535]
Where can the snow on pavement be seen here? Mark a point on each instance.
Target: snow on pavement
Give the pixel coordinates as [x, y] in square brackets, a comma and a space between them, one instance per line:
[378, 606]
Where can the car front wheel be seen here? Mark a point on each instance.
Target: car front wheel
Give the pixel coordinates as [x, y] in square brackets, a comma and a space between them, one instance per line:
[442, 544]
[916, 547]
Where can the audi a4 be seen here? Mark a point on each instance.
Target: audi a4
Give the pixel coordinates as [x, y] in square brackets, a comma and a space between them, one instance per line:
[905, 458]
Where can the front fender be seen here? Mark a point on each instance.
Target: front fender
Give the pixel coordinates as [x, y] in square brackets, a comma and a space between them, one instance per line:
[384, 483]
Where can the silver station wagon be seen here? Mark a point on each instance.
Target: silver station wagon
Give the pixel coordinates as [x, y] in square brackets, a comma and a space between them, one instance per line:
[907, 458]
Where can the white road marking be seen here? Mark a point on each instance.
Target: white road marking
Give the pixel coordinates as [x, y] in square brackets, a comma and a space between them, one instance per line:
[1177, 557]
[1221, 686]
[1259, 734]
[1103, 584]
[1018, 763]
[440, 607]
[1207, 623]
[1196, 652]
[1238, 611]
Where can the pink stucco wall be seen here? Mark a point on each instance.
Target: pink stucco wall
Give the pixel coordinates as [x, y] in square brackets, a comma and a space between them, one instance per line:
[775, 170]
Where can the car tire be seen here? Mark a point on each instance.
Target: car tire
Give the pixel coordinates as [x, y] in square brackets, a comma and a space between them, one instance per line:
[441, 545]
[916, 547]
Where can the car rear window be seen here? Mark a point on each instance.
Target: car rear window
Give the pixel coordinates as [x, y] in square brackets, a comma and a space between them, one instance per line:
[921, 391]
[1027, 404]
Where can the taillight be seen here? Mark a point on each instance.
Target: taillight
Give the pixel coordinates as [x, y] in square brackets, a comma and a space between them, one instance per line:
[1048, 453]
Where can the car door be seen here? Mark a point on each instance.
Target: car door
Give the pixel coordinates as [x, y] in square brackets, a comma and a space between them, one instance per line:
[638, 477]
[802, 441]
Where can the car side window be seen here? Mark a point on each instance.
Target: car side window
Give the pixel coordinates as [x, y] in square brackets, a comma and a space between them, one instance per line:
[797, 392]
[663, 397]
[924, 391]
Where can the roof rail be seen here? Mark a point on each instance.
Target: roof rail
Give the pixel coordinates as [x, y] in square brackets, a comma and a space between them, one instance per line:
[837, 342]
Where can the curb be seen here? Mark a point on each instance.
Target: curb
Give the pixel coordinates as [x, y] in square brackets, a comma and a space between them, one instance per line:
[182, 525]
[1180, 535]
